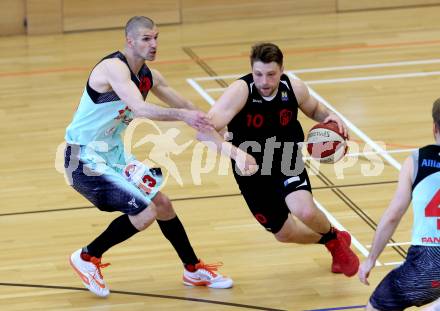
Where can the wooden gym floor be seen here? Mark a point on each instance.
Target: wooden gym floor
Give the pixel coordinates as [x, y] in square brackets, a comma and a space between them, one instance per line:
[380, 70]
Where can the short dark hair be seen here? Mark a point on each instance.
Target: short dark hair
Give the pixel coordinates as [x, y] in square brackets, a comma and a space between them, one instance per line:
[266, 52]
[137, 22]
[436, 113]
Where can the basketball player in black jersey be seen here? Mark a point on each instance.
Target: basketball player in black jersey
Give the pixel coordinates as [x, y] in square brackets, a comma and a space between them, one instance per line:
[260, 111]
[417, 281]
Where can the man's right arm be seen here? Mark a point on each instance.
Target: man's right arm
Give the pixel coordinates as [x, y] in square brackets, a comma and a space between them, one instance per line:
[390, 219]
[226, 107]
[118, 77]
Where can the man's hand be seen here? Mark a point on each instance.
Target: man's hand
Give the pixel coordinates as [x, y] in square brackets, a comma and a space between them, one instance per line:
[341, 125]
[364, 271]
[246, 164]
[197, 119]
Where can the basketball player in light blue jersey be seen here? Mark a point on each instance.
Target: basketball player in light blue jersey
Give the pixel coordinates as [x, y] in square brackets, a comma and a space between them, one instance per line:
[98, 168]
[417, 281]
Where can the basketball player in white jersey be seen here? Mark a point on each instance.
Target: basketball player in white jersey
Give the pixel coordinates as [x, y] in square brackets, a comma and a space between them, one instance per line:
[417, 281]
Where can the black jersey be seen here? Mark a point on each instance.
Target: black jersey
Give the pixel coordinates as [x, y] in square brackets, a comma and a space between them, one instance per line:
[143, 80]
[262, 121]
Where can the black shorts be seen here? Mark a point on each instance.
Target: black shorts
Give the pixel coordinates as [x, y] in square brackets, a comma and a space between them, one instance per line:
[107, 189]
[265, 196]
[415, 283]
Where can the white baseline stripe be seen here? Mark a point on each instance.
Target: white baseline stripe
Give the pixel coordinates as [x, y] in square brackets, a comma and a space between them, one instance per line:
[354, 79]
[366, 66]
[339, 226]
[385, 152]
[218, 77]
[201, 91]
[339, 68]
[214, 90]
[379, 77]
[396, 263]
[358, 154]
[359, 133]
[394, 244]
[333, 220]
[354, 128]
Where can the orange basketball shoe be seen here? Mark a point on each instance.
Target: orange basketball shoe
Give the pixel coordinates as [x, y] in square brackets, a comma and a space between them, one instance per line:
[90, 273]
[206, 275]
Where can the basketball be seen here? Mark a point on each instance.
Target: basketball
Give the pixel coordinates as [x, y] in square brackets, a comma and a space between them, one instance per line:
[325, 143]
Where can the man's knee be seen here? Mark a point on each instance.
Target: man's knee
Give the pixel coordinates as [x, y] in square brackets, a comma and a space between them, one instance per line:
[144, 219]
[305, 213]
[164, 208]
[301, 205]
[283, 237]
[285, 234]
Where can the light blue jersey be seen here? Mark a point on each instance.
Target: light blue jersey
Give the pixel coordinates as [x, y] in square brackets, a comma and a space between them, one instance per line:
[102, 122]
[426, 196]
[101, 119]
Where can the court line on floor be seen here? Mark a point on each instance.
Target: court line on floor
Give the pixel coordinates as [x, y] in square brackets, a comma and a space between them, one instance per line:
[339, 308]
[343, 47]
[352, 205]
[337, 68]
[326, 36]
[199, 198]
[362, 154]
[393, 263]
[370, 66]
[376, 77]
[336, 48]
[362, 136]
[358, 132]
[355, 79]
[393, 244]
[201, 62]
[339, 226]
[245, 55]
[353, 127]
[230, 304]
[394, 145]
